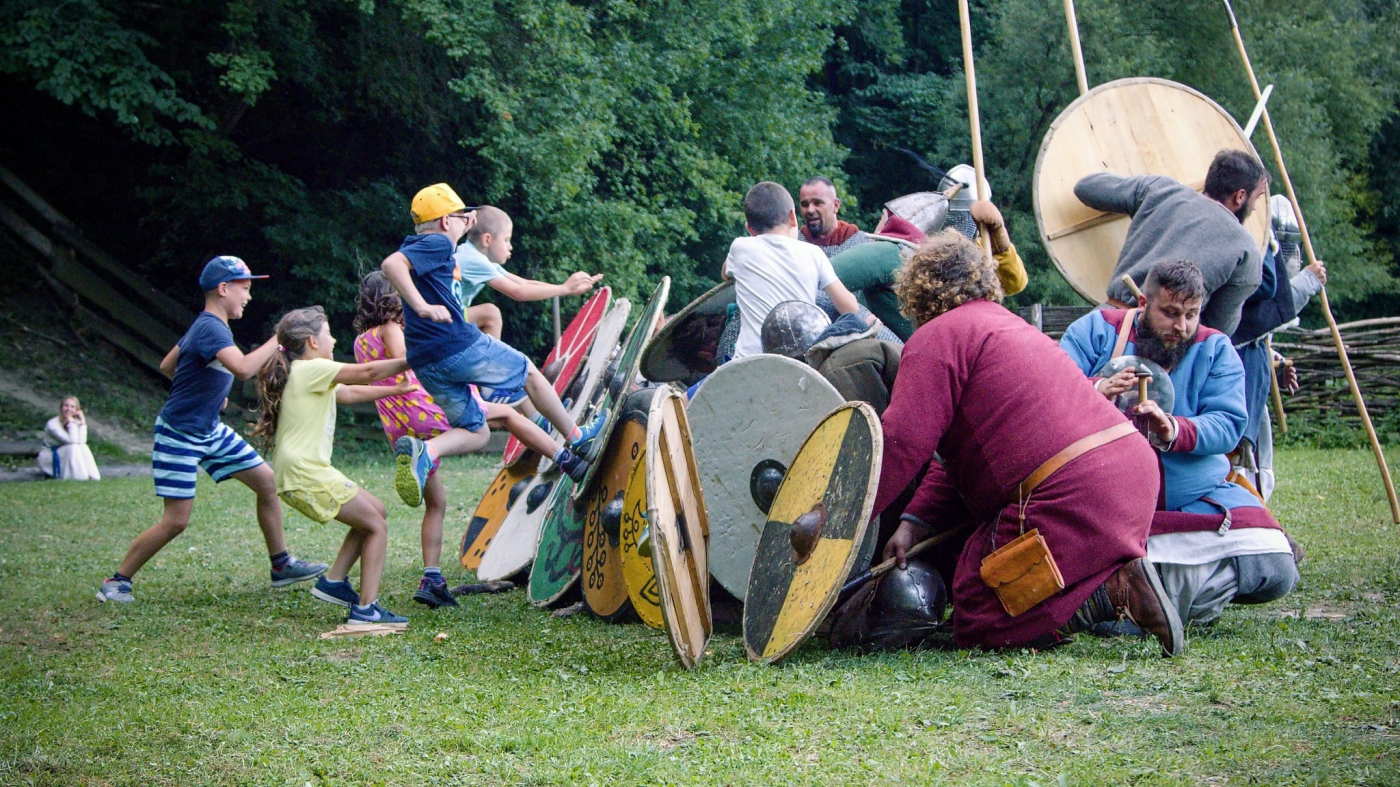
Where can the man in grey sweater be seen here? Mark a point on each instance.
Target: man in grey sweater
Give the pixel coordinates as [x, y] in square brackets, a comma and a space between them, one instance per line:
[1172, 222]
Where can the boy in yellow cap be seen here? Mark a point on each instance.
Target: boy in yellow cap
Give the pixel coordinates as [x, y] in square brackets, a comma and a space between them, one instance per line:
[450, 354]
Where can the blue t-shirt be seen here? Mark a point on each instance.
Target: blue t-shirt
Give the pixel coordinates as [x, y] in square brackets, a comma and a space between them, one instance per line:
[439, 280]
[476, 269]
[201, 382]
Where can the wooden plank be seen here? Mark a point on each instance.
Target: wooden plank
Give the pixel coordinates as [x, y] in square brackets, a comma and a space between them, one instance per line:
[20, 448]
[169, 309]
[112, 334]
[35, 201]
[27, 233]
[90, 286]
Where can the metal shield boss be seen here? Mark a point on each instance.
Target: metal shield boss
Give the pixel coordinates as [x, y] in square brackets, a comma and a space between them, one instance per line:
[1160, 388]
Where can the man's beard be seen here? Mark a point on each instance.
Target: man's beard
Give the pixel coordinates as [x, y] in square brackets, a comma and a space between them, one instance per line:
[817, 227]
[1243, 212]
[1150, 346]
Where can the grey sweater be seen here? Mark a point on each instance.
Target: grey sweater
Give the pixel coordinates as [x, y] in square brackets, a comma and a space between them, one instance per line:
[1173, 222]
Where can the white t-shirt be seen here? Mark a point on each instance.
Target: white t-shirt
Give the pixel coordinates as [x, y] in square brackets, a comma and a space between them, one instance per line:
[770, 269]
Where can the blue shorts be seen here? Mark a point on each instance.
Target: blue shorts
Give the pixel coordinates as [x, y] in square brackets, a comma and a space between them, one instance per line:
[177, 457]
[495, 368]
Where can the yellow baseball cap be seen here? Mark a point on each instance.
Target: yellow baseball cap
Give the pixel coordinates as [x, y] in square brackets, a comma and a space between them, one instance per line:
[434, 202]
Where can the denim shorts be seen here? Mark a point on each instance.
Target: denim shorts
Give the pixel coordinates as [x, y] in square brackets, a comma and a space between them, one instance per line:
[495, 368]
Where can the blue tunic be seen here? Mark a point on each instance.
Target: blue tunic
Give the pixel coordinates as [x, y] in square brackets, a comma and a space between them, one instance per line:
[1209, 409]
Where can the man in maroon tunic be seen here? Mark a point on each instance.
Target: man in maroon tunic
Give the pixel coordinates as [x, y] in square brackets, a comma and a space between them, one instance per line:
[998, 401]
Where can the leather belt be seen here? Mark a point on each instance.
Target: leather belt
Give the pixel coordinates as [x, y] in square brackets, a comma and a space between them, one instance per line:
[1072, 451]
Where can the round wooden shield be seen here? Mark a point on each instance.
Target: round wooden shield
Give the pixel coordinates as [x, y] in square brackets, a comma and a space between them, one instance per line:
[749, 419]
[813, 532]
[661, 363]
[1140, 126]
[491, 511]
[616, 388]
[604, 581]
[559, 550]
[511, 551]
[571, 351]
[678, 529]
[586, 389]
[637, 569]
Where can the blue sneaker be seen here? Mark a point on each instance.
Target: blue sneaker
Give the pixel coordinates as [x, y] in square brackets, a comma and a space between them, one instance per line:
[588, 445]
[372, 614]
[336, 592]
[296, 570]
[574, 466]
[434, 595]
[115, 590]
[544, 424]
[414, 467]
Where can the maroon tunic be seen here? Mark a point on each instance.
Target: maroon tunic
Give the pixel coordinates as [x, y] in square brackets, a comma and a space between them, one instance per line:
[996, 398]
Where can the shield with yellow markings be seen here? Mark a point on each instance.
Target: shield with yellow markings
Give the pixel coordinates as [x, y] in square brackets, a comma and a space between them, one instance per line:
[637, 569]
[815, 527]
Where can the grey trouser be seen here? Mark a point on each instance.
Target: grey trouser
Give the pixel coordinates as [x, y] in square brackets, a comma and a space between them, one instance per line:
[1202, 591]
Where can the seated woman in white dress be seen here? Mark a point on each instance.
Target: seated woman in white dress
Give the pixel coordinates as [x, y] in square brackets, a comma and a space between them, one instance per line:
[65, 453]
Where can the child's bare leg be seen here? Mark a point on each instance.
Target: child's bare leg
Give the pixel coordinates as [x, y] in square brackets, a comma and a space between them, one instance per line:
[503, 416]
[349, 552]
[259, 479]
[173, 522]
[367, 516]
[457, 441]
[435, 509]
[542, 395]
[487, 317]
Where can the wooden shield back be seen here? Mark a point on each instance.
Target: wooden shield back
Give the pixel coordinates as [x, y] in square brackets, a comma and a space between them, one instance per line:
[1140, 126]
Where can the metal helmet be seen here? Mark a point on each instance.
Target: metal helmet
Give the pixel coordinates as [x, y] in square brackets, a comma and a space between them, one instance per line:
[1286, 231]
[960, 205]
[927, 210]
[792, 327]
[898, 610]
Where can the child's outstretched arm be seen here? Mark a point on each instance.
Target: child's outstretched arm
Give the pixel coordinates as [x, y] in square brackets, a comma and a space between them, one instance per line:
[844, 301]
[245, 366]
[522, 289]
[396, 267]
[372, 372]
[355, 394]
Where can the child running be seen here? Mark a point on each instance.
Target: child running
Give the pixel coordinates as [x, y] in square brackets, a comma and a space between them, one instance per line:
[189, 434]
[450, 354]
[300, 386]
[379, 319]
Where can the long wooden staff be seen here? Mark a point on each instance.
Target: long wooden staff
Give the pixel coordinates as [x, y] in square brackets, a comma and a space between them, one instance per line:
[1312, 260]
[975, 120]
[1079, 73]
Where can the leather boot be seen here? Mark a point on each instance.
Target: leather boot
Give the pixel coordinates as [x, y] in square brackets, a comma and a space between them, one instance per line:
[1137, 595]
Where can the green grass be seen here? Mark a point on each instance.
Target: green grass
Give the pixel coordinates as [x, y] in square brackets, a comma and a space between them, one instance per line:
[212, 678]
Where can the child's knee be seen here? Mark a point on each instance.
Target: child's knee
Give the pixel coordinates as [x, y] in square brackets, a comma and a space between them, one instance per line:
[174, 525]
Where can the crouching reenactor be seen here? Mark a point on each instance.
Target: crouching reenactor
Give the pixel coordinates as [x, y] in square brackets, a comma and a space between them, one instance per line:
[1214, 542]
[1054, 487]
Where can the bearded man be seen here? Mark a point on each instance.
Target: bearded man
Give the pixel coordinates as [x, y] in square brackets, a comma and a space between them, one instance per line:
[820, 224]
[1214, 542]
[1030, 453]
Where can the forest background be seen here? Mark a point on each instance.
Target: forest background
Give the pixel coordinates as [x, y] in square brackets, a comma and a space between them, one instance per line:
[621, 135]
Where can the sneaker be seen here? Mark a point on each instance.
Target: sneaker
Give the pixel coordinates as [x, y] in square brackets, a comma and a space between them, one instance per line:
[574, 466]
[335, 592]
[544, 424]
[364, 616]
[433, 595]
[414, 467]
[114, 590]
[297, 570]
[588, 445]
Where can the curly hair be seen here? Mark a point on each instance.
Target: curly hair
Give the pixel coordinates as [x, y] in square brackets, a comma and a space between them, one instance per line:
[947, 271]
[377, 303]
[293, 330]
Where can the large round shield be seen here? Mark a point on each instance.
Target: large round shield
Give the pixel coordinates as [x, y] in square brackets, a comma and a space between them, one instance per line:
[661, 362]
[637, 569]
[491, 511]
[813, 532]
[570, 353]
[678, 528]
[559, 549]
[616, 388]
[1140, 126]
[602, 511]
[749, 419]
[1160, 388]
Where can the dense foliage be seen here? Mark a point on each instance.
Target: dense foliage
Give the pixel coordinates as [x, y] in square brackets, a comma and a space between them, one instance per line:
[621, 135]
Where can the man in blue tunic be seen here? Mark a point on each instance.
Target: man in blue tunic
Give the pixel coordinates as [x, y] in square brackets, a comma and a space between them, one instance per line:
[1213, 542]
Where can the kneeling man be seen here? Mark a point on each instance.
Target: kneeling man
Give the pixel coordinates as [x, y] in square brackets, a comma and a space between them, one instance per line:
[1215, 543]
[1023, 444]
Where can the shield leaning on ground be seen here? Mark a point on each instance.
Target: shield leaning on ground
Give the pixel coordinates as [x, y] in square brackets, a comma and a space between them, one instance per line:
[513, 547]
[616, 388]
[486, 520]
[678, 528]
[813, 532]
[1140, 126]
[569, 352]
[604, 581]
[749, 419]
[637, 569]
[558, 548]
[661, 363]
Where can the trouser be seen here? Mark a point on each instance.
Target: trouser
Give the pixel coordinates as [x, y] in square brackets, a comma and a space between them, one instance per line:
[1202, 591]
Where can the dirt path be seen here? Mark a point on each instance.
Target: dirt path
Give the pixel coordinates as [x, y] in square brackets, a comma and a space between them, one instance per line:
[48, 402]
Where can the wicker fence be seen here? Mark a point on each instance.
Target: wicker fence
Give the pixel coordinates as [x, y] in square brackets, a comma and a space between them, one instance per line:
[1374, 349]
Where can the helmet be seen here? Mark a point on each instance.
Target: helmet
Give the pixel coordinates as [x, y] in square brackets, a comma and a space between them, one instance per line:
[792, 327]
[927, 210]
[960, 204]
[897, 610]
[1286, 231]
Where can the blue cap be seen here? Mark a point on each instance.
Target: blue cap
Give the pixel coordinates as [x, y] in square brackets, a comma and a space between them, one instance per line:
[222, 269]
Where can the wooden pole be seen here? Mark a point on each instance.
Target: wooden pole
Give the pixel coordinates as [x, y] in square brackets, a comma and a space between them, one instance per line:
[1274, 392]
[1079, 74]
[975, 120]
[1312, 260]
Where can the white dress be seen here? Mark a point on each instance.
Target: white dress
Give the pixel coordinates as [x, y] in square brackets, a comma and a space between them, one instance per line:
[65, 454]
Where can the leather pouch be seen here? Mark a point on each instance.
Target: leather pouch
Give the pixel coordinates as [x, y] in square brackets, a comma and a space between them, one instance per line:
[1022, 573]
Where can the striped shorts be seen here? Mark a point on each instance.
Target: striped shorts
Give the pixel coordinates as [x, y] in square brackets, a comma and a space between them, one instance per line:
[176, 457]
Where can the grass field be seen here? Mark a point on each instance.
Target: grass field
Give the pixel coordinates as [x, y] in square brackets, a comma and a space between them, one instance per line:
[212, 678]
